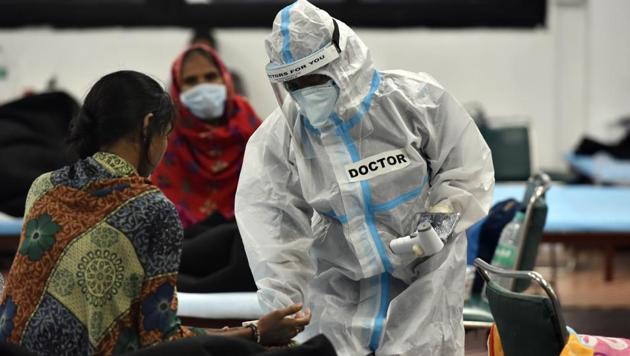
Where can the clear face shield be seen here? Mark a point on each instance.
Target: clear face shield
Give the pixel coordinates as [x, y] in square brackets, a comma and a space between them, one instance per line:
[285, 78]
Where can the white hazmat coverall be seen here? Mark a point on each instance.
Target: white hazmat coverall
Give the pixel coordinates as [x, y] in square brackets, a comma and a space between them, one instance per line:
[317, 208]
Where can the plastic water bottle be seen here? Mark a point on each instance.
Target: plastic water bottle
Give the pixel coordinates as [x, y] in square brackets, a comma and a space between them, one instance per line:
[507, 251]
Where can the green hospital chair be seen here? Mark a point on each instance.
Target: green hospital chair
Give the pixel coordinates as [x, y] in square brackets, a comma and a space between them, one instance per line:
[510, 151]
[527, 324]
[477, 313]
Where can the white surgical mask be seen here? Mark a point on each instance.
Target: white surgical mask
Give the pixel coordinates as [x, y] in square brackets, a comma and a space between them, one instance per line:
[206, 101]
[317, 102]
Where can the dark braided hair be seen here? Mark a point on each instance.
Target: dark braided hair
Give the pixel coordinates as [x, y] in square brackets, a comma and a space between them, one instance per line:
[115, 108]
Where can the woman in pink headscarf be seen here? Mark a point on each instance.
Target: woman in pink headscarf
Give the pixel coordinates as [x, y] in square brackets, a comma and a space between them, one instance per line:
[200, 170]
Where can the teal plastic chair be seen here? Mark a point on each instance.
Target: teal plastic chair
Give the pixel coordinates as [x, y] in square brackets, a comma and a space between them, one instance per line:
[527, 324]
[477, 313]
[533, 226]
[510, 152]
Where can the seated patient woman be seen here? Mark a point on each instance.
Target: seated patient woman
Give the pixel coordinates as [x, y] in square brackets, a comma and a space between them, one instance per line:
[97, 263]
[200, 170]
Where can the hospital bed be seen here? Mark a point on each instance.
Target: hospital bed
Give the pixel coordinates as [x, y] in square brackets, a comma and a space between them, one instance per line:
[10, 226]
[216, 310]
[583, 215]
[10, 229]
[595, 216]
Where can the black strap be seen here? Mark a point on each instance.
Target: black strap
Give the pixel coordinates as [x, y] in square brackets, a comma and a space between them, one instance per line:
[335, 36]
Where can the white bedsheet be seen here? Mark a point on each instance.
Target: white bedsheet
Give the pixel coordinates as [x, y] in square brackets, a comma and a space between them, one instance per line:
[240, 305]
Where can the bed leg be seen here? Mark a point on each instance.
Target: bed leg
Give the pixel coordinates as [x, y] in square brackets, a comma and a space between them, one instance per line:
[609, 260]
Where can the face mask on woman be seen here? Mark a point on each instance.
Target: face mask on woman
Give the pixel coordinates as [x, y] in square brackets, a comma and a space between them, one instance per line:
[205, 101]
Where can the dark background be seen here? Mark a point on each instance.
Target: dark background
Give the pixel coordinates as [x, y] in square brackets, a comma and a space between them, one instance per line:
[258, 13]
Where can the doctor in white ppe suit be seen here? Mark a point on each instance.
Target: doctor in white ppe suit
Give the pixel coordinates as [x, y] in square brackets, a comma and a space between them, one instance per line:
[348, 162]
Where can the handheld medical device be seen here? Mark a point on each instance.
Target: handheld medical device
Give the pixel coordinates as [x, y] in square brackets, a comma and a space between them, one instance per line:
[423, 242]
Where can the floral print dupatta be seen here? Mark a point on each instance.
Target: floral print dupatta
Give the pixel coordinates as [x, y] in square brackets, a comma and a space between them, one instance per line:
[97, 263]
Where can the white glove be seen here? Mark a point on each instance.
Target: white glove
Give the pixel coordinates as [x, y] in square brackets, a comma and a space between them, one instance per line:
[423, 242]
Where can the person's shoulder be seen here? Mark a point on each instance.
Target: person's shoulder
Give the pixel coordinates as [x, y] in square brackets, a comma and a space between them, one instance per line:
[420, 82]
[151, 207]
[154, 200]
[40, 186]
[81, 173]
[271, 139]
[42, 179]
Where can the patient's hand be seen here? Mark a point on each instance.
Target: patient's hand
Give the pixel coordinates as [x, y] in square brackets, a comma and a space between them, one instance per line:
[281, 325]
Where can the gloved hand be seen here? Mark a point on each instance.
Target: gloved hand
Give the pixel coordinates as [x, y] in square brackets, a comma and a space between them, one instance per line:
[443, 206]
[423, 242]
